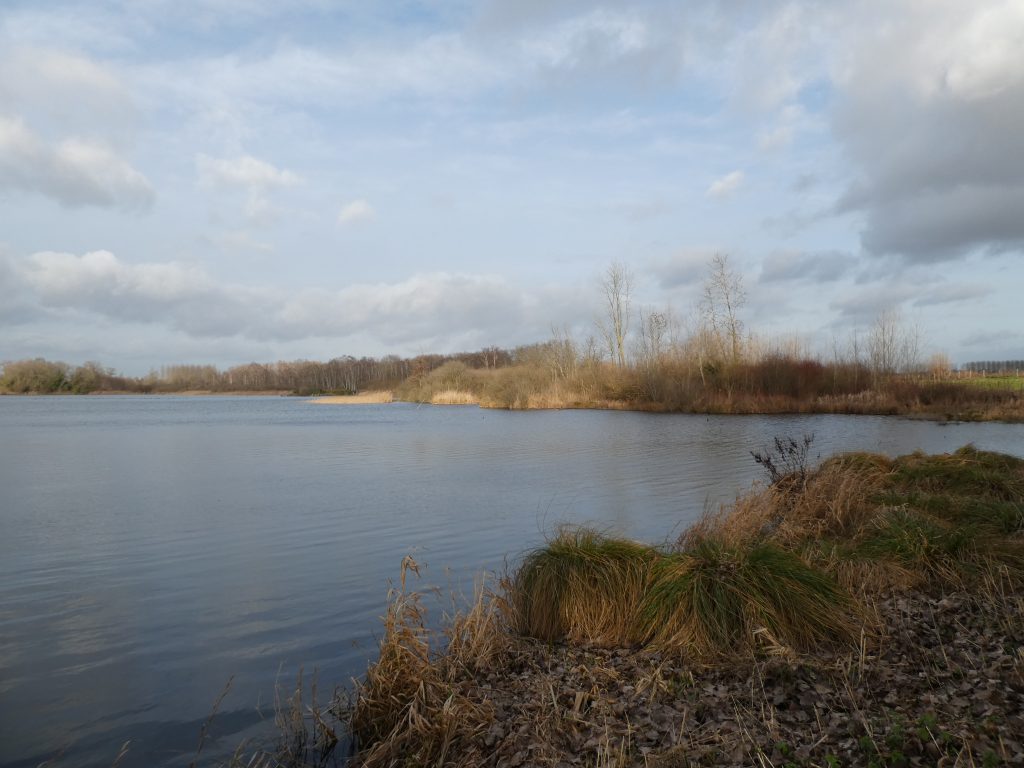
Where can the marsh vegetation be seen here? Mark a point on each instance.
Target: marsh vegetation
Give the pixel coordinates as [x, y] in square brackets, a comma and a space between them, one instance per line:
[866, 611]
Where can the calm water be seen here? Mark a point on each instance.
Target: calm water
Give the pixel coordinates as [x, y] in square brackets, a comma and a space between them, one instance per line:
[152, 547]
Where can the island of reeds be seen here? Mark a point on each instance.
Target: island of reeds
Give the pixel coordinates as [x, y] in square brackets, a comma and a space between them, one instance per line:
[864, 612]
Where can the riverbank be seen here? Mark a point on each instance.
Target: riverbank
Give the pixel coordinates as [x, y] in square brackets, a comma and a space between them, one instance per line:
[361, 398]
[868, 611]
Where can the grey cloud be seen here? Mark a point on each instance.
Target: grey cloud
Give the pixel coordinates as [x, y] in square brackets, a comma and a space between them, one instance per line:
[937, 225]
[952, 293]
[427, 309]
[994, 339]
[74, 172]
[865, 305]
[688, 267]
[931, 113]
[818, 267]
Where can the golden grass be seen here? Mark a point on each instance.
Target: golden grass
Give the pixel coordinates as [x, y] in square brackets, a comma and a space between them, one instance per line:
[454, 397]
[409, 709]
[582, 587]
[878, 524]
[362, 398]
[799, 566]
[710, 600]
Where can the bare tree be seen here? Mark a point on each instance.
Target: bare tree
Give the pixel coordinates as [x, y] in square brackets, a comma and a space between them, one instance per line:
[724, 296]
[893, 346]
[617, 291]
[657, 330]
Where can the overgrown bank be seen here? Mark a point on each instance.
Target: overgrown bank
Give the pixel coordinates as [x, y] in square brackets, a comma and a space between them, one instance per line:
[865, 612]
[558, 374]
[771, 385]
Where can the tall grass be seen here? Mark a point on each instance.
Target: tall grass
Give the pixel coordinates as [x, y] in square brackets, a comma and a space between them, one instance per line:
[795, 566]
[877, 523]
[710, 599]
[714, 598]
[582, 587]
[409, 709]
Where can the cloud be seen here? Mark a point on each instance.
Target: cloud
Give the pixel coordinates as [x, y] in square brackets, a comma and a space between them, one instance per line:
[862, 306]
[589, 39]
[79, 94]
[429, 310]
[244, 171]
[726, 185]
[75, 172]
[256, 177]
[950, 293]
[994, 339]
[356, 210]
[930, 110]
[685, 268]
[817, 267]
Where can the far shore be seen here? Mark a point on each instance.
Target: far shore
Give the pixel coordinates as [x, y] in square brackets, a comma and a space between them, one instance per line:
[362, 398]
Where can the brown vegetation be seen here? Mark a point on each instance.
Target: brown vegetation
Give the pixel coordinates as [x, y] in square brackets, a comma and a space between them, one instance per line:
[863, 612]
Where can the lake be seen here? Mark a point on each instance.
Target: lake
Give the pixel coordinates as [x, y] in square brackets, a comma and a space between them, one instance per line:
[153, 547]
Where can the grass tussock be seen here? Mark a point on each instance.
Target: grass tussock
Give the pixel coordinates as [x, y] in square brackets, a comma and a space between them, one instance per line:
[715, 597]
[408, 709]
[583, 587]
[704, 601]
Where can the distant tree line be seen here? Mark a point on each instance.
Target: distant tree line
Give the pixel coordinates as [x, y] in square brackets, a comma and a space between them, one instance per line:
[341, 375]
[994, 366]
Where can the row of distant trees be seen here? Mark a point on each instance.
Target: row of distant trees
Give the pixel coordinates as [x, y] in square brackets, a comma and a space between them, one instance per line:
[994, 366]
[340, 375]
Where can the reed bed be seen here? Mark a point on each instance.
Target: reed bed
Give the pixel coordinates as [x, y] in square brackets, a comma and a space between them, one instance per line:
[454, 397]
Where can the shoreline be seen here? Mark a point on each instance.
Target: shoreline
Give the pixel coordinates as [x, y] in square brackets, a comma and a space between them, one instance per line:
[724, 408]
[360, 398]
[869, 611]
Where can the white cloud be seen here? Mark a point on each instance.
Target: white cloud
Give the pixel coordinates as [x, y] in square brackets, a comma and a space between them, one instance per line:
[75, 172]
[726, 185]
[244, 171]
[356, 210]
[67, 85]
[256, 177]
[427, 310]
[67, 279]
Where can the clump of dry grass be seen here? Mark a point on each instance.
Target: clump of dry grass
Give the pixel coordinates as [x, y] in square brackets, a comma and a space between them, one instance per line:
[708, 600]
[877, 524]
[582, 587]
[454, 397]
[801, 565]
[410, 708]
[715, 598]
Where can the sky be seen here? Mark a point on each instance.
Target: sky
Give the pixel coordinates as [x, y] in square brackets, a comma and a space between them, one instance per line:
[225, 181]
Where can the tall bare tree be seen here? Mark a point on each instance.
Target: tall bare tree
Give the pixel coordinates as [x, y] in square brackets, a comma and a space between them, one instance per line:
[893, 345]
[617, 291]
[724, 296]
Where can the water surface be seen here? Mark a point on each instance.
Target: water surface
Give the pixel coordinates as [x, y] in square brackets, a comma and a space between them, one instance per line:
[152, 547]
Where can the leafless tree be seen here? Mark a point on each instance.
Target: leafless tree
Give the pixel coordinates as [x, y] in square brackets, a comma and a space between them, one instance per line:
[657, 329]
[724, 297]
[617, 291]
[893, 345]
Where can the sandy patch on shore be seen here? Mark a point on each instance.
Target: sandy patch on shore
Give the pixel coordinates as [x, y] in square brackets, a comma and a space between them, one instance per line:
[363, 398]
